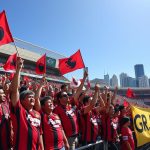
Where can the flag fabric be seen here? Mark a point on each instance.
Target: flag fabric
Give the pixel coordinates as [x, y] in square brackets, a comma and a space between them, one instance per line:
[72, 63]
[125, 103]
[41, 65]
[130, 93]
[11, 62]
[11, 76]
[141, 118]
[5, 34]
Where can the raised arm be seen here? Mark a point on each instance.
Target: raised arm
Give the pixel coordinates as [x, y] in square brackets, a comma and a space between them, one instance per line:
[37, 105]
[16, 82]
[89, 107]
[78, 92]
[114, 95]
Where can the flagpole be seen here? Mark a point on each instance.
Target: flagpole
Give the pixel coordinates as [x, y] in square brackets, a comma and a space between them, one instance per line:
[16, 48]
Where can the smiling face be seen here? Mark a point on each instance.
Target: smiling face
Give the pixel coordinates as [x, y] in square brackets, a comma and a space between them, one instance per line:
[28, 102]
[64, 98]
[48, 106]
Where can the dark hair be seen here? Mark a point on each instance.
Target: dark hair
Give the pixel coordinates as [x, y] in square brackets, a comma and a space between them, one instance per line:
[25, 93]
[63, 86]
[124, 120]
[44, 99]
[58, 96]
[86, 99]
[117, 109]
[121, 107]
[23, 88]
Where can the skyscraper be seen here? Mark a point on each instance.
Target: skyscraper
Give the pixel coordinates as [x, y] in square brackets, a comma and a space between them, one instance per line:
[114, 81]
[143, 81]
[139, 72]
[106, 79]
[123, 80]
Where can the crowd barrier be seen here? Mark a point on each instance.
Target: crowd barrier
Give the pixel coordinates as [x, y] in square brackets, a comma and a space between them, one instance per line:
[90, 145]
[101, 146]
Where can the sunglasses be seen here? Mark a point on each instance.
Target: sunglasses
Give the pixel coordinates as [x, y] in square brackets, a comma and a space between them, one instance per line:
[64, 95]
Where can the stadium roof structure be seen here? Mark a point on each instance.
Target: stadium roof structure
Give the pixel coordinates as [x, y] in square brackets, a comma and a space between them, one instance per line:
[28, 51]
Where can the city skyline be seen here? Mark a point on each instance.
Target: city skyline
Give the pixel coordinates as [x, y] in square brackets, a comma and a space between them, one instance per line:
[124, 80]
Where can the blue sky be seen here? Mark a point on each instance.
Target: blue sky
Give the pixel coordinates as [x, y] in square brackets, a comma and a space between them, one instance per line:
[113, 35]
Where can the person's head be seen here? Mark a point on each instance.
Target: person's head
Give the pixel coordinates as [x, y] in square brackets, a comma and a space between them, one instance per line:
[47, 104]
[63, 98]
[27, 99]
[111, 110]
[64, 88]
[87, 100]
[2, 95]
[125, 121]
[6, 86]
[117, 111]
[122, 109]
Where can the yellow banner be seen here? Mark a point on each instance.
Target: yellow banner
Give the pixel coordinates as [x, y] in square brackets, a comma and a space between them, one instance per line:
[141, 122]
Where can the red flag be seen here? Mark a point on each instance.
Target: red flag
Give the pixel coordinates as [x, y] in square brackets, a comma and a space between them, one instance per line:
[41, 65]
[125, 103]
[11, 62]
[11, 76]
[5, 34]
[130, 93]
[72, 63]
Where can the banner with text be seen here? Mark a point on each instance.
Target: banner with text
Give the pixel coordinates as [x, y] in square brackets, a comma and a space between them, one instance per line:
[141, 122]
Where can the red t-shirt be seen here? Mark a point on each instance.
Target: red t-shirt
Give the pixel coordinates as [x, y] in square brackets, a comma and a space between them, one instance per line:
[127, 136]
[68, 118]
[27, 128]
[52, 132]
[110, 127]
[4, 127]
[89, 126]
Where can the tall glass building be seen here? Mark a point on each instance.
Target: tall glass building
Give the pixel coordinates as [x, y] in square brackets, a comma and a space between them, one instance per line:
[139, 70]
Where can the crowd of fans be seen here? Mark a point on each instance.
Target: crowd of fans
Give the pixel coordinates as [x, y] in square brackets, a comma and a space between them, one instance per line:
[36, 115]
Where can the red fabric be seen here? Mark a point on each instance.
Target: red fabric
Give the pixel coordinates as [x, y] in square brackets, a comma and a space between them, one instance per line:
[5, 34]
[72, 63]
[127, 136]
[110, 126]
[90, 128]
[27, 128]
[26, 78]
[69, 120]
[52, 132]
[11, 62]
[41, 65]
[11, 76]
[130, 93]
[125, 103]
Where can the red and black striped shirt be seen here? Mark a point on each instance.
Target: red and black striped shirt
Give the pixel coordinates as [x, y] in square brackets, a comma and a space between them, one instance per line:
[27, 128]
[68, 118]
[52, 132]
